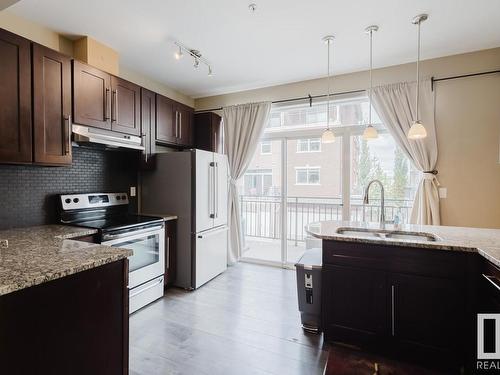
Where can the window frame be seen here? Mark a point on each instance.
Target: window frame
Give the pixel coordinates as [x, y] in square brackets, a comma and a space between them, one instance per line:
[299, 151]
[266, 143]
[308, 169]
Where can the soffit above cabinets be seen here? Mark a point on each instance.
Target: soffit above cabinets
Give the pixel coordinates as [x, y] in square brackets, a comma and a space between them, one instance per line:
[278, 43]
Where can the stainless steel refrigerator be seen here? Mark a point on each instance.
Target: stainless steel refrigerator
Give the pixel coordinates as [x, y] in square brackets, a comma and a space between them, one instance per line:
[193, 185]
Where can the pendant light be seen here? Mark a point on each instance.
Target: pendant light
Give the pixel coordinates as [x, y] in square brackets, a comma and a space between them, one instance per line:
[417, 130]
[328, 136]
[370, 131]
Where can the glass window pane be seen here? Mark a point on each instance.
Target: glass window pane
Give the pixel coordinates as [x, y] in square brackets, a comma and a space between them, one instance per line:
[301, 176]
[313, 176]
[315, 144]
[381, 159]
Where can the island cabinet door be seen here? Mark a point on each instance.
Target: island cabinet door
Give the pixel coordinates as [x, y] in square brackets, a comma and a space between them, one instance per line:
[354, 304]
[427, 314]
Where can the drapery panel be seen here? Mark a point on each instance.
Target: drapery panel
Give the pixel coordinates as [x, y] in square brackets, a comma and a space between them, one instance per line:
[243, 126]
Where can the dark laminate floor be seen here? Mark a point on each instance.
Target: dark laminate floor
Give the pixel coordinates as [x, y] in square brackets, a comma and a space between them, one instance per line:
[245, 321]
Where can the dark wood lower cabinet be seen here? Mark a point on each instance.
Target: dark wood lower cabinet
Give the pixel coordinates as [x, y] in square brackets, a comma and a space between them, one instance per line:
[362, 316]
[415, 304]
[75, 325]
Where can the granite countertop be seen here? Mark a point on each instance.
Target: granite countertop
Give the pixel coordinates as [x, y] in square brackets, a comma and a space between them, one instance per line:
[166, 217]
[486, 242]
[36, 255]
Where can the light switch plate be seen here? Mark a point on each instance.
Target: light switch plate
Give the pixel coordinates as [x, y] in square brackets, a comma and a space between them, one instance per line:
[443, 192]
[132, 191]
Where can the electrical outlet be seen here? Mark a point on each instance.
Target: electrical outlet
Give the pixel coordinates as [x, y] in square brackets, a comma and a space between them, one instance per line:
[132, 191]
[443, 192]
[4, 244]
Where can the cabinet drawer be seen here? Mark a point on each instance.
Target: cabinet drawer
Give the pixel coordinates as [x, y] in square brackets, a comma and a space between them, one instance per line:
[418, 261]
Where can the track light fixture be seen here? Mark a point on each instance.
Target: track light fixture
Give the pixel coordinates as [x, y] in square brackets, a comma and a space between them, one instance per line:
[195, 54]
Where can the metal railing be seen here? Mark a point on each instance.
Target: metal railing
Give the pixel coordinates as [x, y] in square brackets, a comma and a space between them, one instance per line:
[262, 215]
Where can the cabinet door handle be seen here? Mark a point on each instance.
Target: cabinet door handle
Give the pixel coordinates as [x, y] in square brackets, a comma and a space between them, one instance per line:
[176, 125]
[180, 125]
[106, 104]
[144, 142]
[67, 134]
[114, 106]
[393, 292]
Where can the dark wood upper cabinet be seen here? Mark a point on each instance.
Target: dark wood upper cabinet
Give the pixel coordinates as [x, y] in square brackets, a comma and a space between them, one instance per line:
[208, 132]
[51, 106]
[91, 96]
[184, 117]
[166, 129]
[125, 106]
[15, 99]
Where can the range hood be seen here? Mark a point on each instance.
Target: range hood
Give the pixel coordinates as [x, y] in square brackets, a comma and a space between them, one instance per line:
[84, 134]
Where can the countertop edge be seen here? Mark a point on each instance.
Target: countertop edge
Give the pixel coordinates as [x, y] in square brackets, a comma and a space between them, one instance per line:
[485, 253]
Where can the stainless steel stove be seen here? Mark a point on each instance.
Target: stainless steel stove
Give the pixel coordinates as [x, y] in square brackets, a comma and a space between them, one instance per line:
[144, 235]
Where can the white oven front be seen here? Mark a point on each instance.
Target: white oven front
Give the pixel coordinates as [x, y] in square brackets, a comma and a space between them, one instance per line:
[148, 260]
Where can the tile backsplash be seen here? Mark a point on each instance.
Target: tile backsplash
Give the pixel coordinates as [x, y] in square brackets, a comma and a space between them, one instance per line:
[28, 193]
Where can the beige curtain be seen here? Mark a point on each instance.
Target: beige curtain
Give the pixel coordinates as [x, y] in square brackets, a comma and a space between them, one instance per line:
[395, 104]
[243, 126]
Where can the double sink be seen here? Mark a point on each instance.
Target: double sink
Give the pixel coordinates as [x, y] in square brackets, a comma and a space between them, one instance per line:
[387, 234]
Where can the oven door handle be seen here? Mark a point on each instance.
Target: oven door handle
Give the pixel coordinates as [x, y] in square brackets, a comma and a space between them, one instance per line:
[110, 237]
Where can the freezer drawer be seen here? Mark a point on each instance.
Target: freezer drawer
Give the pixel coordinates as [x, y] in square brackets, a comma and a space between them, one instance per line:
[211, 255]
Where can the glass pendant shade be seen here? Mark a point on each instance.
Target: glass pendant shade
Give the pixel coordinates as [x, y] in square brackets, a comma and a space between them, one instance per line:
[328, 136]
[417, 131]
[370, 133]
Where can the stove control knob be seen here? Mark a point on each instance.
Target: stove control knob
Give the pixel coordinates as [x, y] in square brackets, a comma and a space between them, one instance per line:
[124, 197]
[67, 200]
[76, 200]
[118, 197]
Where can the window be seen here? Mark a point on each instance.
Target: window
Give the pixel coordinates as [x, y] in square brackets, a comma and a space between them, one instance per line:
[345, 111]
[307, 175]
[265, 148]
[258, 182]
[309, 145]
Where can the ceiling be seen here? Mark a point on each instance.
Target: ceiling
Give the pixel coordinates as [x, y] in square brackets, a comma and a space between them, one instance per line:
[279, 43]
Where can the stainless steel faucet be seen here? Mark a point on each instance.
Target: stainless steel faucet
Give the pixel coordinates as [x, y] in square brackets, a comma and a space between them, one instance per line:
[366, 200]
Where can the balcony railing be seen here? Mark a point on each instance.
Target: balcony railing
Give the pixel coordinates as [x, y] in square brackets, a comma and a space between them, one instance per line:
[262, 216]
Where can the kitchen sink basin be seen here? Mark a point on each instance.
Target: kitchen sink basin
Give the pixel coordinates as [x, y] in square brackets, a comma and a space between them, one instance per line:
[387, 234]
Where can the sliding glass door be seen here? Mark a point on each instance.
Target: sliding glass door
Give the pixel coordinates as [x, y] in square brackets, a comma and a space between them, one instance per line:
[294, 179]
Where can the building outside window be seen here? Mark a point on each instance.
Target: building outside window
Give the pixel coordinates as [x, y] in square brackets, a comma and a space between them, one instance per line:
[309, 145]
[307, 175]
[265, 148]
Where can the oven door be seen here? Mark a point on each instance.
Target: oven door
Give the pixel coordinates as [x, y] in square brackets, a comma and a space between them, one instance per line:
[148, 245]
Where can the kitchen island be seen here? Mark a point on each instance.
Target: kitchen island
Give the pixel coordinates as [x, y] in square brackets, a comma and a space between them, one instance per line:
[63, 303]
[412, 291]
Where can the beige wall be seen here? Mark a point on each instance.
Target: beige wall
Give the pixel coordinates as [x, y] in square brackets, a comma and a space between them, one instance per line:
[51, 39]
[467, 121]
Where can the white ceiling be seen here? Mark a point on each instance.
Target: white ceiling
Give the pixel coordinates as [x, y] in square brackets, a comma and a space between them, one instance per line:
[279, 43]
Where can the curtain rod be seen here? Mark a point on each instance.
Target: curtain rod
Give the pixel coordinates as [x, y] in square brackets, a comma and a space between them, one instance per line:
[310, 98]
[433, 80]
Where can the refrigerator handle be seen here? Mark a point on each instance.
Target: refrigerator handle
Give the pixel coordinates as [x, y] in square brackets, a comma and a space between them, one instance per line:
[211, 188]
[216, 192]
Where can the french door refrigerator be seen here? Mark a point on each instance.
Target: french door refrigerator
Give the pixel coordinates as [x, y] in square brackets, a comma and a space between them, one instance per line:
[193, 185]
